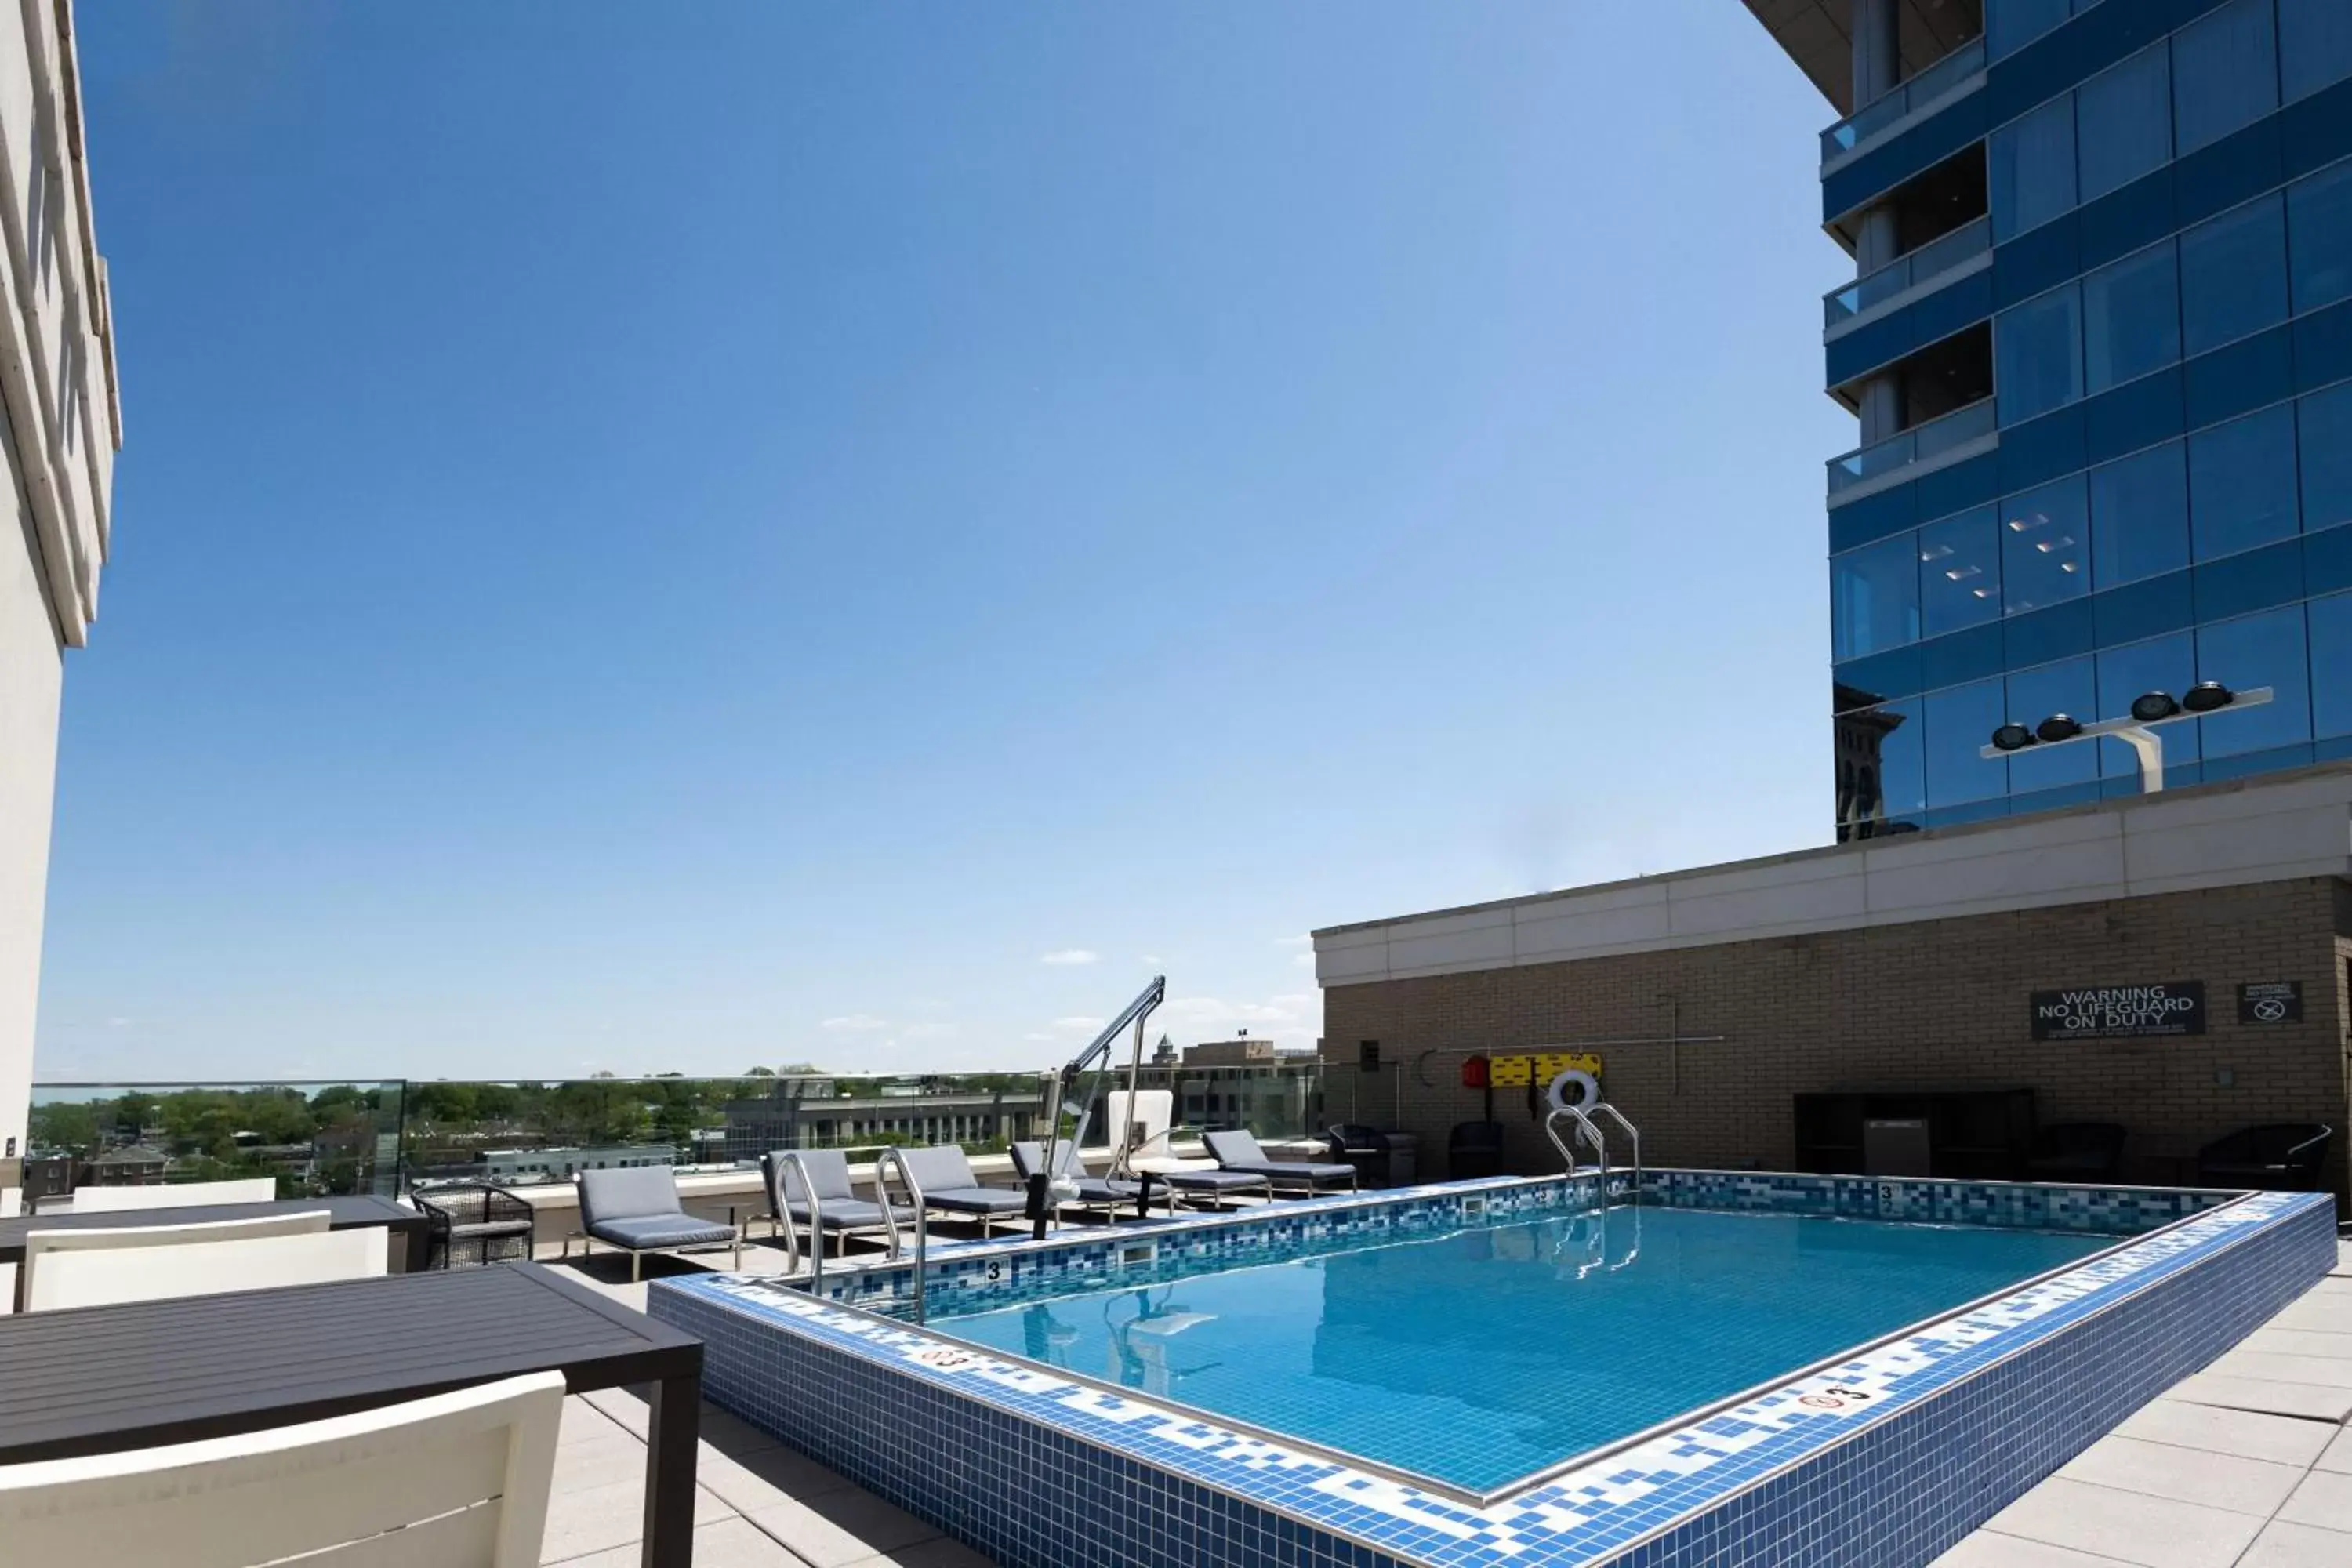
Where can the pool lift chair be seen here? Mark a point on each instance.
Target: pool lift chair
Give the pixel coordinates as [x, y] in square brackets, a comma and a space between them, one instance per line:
[1052, 1182]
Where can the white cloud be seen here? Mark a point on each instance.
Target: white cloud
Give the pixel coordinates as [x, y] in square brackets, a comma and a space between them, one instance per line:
[1303, 959]
[1293, 1018]
[862, 1022]
[1151, 961]
[118, 1023]
[1078, 1024]
[1033, 1035]
[1294, 942]
[1069, 956]
[929, 1031]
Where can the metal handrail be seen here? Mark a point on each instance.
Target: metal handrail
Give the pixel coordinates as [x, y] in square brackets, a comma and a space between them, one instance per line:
[892, 1156]
[790, 1160]
[1631, 1131]
[1913, 268]
[1592, 1134]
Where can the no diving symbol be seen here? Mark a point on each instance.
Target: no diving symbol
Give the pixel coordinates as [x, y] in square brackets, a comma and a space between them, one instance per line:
[2270, 1010]
[1835, 1398]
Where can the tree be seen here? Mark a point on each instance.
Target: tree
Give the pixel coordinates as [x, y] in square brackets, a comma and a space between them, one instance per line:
[758, 1072]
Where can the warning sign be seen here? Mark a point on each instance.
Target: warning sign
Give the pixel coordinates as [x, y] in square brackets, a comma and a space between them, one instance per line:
[2120, 1011]
[2270, 1002]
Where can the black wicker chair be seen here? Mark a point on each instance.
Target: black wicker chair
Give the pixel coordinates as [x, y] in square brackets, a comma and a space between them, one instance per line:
[2278, 1156]
[2085, 1152]
[475, 1225]
[1475, 1149]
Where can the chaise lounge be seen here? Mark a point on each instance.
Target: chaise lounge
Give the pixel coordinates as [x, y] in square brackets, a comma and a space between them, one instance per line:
[1097, 1194]
[943, 1179]
[1237, 1149]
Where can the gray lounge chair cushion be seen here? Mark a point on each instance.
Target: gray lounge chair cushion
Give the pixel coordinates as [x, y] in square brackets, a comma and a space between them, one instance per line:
[646, 1232]
[1209, 1180]
[978, 1200]
[939, 1169]
[1096, 1190]
[639, 1192]
[828, 1173]
[1238, 1151]
[850, 1213]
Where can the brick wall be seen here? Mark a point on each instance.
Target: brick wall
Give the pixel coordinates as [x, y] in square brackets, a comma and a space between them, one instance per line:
[1934, 1004]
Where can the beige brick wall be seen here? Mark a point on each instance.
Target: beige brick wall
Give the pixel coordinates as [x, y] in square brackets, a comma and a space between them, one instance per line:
[1935, 1005]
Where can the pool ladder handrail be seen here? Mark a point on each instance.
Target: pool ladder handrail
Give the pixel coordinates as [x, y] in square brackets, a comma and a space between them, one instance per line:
[790, 1160]
[891, 1156]
[1592, 1135]
[1633, 1133]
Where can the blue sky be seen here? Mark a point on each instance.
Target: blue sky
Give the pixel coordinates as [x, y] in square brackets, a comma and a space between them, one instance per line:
[657, 538]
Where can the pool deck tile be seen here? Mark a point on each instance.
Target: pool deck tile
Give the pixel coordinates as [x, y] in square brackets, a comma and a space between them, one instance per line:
[2237, 1472]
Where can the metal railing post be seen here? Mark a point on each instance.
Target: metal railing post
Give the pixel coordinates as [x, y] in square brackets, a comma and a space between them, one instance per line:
[1591, 1133]
[790, 1161]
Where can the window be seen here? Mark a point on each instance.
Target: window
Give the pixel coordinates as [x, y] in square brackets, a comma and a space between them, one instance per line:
[2010, 24]
[1874, 598]
[1959, 572]
[2131, 318]
[1879, 763]
[2241, 483]
[2325, 420]
[2162, 664]
[2234, 275]
[2319, 233]
[2044, 547]
[2256, 650]
[2314, 45]
[2123, 120]
[1960, 723]
[2032, 168]
[2070, 688]
[2331, 665]
[2037, 355]
[2224, 73]
[2139, 516]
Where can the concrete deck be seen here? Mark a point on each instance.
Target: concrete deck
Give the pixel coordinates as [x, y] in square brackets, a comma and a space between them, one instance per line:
[2247, 1464]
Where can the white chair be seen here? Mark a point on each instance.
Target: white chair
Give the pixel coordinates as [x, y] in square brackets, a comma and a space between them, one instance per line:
[459, 1480]
[40, 1244]
[112, 1277]
[180, 1196]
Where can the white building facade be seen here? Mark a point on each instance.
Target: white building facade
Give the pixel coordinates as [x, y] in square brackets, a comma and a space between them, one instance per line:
[61, 425]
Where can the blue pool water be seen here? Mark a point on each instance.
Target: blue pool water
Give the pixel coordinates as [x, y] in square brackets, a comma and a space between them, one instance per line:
[1484, 1355]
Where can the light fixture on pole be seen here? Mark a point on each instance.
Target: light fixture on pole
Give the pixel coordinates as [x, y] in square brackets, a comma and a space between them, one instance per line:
[2137, 732]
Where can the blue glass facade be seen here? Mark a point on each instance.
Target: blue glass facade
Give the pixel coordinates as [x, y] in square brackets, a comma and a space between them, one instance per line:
[2168, 495]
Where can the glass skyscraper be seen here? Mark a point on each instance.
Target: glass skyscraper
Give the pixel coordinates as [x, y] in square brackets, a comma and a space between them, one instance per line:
[2099, 343]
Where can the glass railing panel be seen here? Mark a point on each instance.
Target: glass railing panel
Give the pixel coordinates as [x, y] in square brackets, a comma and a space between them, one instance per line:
[1925, 265]
[1917, 93]
[1915, 445]
[314, 1138]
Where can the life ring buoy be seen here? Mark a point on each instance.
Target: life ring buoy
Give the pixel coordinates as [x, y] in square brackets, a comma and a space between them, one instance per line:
[1586, 1088]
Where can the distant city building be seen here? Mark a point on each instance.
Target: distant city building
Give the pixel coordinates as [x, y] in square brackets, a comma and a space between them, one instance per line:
[59, 438]
[803, 1113]
[133, 1166]
[525, 1167]
[1242, 1052]
[1163, 1054]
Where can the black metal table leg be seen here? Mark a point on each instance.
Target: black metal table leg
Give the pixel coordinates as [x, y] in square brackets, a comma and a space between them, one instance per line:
[675, 1410]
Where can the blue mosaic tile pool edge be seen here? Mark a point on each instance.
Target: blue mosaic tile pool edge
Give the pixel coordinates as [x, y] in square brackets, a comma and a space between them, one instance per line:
[1828, 1461]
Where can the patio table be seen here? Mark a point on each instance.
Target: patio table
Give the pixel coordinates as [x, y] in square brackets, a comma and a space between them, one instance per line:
[97, 1380]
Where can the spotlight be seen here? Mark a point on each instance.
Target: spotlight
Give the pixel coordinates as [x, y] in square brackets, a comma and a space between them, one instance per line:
[2154, 705]
[2058, 727]
[2208, 695]
[2012, 738]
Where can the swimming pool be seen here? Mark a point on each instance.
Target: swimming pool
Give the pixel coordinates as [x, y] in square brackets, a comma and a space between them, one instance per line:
[1880, 1454]
[1487, 1355]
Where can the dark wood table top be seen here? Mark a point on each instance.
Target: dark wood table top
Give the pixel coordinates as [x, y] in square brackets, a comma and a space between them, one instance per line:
[343, 1213]
[96, 1380]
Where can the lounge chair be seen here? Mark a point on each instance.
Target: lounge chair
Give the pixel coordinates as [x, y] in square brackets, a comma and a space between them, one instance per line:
[2279, 1156]
[46, 1244]
[1366, 1149]
[460, 1477]
[836, 1210]
[2080, 1152]
[636, 1209]
[1474, 1149]
[1237, 1149]
[944, 1179]
[1097, 1194]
